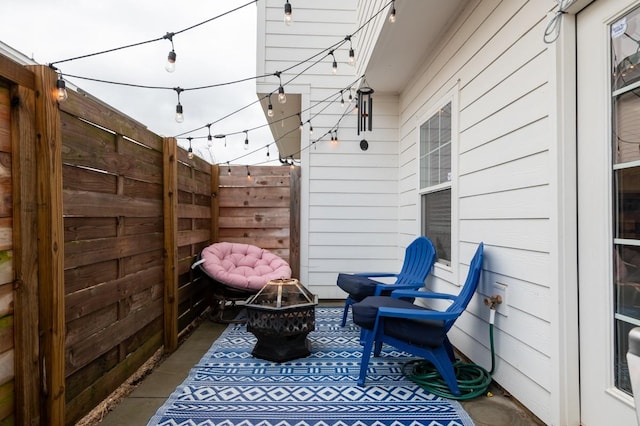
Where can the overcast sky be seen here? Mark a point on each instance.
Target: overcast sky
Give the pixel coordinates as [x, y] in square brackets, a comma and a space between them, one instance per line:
[219, 51]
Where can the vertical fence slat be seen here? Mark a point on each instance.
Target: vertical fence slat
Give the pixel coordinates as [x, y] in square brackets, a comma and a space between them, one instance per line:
[170, 182]
[50, 245]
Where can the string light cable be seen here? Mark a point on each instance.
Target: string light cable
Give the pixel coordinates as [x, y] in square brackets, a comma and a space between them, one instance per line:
[164, 37]
[329, 52]
[326, 101]
[552, 31]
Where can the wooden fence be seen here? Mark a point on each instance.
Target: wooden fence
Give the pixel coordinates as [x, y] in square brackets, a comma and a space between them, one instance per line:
[100, 222]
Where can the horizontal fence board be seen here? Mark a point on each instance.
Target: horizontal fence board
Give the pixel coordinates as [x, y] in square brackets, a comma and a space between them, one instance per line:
[78, 253]
[88, 300]
[252, 222]
[99, 389]
[256, 212]
[193, 237]
[84, 351]
[193, 211]
[82, 179]
[93, 204]
[97, 112]
[255, 197]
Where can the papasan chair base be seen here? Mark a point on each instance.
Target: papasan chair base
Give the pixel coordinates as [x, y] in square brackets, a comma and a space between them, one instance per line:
[236, 271]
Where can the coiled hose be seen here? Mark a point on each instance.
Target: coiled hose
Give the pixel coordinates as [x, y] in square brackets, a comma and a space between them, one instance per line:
[473, 380]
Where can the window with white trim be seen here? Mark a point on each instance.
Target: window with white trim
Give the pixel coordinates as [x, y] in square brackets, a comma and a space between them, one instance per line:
[435, 181]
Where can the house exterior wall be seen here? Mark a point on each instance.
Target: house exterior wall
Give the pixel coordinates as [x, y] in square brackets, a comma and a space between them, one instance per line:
[494, 62]
[349, 197]
[364, 208]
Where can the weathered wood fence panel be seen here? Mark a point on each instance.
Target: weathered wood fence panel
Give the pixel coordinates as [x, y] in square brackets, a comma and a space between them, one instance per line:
[100, 221]
[255, 206]
[114, 250]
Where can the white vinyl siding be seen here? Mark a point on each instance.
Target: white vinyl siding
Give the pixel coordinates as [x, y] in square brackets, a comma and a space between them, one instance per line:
[363, 207]
[495, 55]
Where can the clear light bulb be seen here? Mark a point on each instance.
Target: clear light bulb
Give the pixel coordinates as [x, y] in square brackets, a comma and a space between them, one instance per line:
[392, 16]
[288, 19]
[179, 114]
[170, 66]
[282, 98]
[61, 90]
[334, 67]
[270, 110]
[352, 57]
[246, 144]
[190, 154]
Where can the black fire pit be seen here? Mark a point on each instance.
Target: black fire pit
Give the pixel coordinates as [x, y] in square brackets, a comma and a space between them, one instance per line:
[280, 316]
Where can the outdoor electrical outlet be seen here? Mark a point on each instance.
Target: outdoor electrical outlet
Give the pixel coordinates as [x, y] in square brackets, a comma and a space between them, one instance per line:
[501, 290]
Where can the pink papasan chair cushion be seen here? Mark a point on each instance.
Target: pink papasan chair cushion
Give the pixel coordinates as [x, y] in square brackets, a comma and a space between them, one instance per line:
[243, 265]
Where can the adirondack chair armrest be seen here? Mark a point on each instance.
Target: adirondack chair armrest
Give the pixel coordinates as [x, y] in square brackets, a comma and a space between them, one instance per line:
[416, 314]
[422, 294]
[375, 274]
[395, 287]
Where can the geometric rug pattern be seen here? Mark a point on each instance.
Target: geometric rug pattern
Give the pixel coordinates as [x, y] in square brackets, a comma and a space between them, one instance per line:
[230, 387]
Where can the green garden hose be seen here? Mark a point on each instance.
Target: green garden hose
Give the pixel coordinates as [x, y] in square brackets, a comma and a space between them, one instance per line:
[473, 380]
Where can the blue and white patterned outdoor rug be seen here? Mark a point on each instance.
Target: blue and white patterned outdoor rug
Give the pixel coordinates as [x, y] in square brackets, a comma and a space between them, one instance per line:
[229, 387]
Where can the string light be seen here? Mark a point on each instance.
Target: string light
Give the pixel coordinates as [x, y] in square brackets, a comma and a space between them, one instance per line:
[288, 19]
[341, 99]
[190, 150]
[301, 125]
[270, 107]
[246, 140]
[392, 15]
[170, 66]
[179, 111]
[228, 169]
[268, 154]
[61, 89]
[352, 55]
[334, 65]
[209, 137]
[310, 127]
[248, 173]
[282, 98]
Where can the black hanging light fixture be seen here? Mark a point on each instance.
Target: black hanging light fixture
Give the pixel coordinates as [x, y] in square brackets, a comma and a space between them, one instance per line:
[170, 66]
[61, 89]
[288, 19]
[179, 110]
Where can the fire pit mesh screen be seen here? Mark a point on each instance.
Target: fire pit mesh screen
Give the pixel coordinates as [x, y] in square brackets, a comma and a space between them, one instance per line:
[282, 308]
[282, 323]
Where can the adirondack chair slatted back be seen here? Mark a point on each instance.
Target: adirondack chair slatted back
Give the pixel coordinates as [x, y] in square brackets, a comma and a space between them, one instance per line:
[418, 260]
[469, 288]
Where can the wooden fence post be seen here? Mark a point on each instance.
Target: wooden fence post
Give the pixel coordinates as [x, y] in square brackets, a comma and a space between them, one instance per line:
[170, 190]
[215, 203]
[50, 245]
[25, 254]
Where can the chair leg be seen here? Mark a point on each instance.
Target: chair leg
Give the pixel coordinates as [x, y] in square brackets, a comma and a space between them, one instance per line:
[445, 368]
[366, 355]
[345, 313]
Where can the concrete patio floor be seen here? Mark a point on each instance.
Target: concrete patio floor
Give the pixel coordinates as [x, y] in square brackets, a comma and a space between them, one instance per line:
[140, 405]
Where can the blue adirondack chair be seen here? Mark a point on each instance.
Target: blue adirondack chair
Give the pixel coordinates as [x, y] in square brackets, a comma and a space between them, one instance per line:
[419, 257]
[413, 328]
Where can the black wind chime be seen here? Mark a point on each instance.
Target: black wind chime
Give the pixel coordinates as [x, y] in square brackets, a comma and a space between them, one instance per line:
[365, 113]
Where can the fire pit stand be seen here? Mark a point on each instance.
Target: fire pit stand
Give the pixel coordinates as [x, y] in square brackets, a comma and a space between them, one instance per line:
[281, 315]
